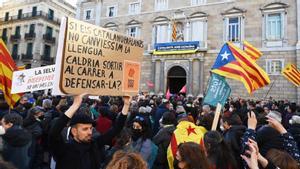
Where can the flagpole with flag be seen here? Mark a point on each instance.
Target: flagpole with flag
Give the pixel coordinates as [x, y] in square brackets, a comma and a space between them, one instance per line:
[292, 74]
[7, 66]
[174, 31]
[234, 63]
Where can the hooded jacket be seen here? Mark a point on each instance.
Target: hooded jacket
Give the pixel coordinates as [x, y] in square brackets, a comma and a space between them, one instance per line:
[16, 143]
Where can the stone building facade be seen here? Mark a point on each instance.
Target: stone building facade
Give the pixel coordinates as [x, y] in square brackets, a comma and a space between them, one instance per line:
[271, 25]
[30, 29]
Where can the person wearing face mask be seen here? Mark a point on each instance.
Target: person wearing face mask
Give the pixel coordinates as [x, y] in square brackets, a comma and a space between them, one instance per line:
[36, 124]
[16, 141]
[23, 106]
[141, 142]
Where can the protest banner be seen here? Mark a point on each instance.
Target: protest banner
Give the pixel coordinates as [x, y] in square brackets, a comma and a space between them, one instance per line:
[97, 61]
[35, 79]
[218, 91]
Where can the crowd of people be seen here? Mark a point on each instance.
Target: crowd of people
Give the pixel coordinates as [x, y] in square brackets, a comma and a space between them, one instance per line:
[64, 132]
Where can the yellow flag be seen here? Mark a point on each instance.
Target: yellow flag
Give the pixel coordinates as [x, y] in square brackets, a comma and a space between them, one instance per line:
[185, 132]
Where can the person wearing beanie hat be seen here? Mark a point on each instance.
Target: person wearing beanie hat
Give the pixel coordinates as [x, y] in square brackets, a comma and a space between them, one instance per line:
[82, 151]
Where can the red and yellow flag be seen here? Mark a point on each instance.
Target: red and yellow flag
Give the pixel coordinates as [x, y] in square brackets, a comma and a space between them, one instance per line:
[258, 76]
[252, 51]
[174, 32]
[185, 132]
[7, 66]
[292, 73]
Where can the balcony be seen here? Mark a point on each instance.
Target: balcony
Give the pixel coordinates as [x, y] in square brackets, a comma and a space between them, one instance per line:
[29, 36]
[49, 39]
[47, 59]
[27, 56]
[4, 38]
[30, 15]
[15, 56]
[15, 38]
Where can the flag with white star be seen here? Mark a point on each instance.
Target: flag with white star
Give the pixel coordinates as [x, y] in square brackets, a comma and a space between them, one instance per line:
[226, 65]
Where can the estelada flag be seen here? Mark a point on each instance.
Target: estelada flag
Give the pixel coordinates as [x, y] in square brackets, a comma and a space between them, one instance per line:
[185, 132]
[228, 66]
[292, 74]
[252, 51]
[7, 66]
[174, 31]
[258, 76]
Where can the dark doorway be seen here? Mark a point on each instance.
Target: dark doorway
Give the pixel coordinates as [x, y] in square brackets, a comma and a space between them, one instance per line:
[176, 79]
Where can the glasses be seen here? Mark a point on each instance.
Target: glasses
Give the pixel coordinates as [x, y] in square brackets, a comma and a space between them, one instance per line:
[140, 118]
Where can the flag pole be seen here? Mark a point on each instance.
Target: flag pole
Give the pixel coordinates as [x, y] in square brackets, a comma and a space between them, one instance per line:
[216, 118]
[270, 88]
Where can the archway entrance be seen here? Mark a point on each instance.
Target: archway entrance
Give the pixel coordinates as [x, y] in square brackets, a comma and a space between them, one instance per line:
[176, 79]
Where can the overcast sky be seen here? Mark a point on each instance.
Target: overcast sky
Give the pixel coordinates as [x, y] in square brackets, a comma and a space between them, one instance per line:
[72, 2]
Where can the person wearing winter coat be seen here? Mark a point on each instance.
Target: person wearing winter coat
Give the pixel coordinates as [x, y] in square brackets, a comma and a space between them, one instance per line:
[82, 151]
[162, 139]
[233, 130]
[16, 141]
[295, 128]
[162, 108]
[141, 142]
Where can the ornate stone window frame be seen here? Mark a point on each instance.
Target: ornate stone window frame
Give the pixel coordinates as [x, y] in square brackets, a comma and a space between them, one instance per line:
[233, 13]
[274, 8]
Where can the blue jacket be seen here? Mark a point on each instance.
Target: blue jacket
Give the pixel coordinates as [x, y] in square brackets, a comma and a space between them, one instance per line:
[157, 116]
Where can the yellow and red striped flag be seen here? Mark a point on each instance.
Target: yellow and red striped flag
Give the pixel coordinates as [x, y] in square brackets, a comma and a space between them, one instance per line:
[22, 67]
[7, 66]
[258, 76]
[292, 73]
[185, 132]
[252, 51]
[174, 31]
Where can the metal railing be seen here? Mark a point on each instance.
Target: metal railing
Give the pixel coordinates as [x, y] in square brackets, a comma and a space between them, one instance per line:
[29, 36]
[48, 38]
[31, 15]
[47, 58]
[15, 37]
[15, 56]
[27, 56]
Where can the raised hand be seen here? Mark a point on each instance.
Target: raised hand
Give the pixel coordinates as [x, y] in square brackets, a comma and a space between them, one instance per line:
[253, 156]
[276, 125]
[76, 104]
[252, 121]
[127, 100]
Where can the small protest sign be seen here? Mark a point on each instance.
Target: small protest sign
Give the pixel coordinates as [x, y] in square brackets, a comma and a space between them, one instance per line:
[29, 80]
[96, 61]
[218, 91]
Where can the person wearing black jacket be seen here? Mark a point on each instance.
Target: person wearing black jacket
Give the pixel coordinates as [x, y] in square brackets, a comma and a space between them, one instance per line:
[163, 138]
[82, 151]
[16, 141]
